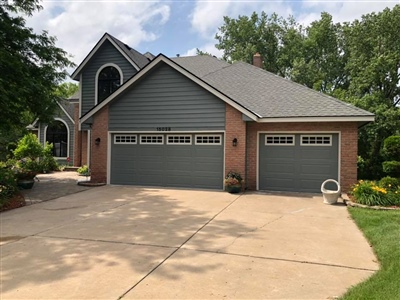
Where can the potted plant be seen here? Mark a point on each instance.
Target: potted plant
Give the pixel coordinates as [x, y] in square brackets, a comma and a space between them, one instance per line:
[25, 171]
[233, 182]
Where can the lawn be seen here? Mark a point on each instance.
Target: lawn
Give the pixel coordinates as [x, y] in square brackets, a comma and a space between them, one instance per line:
[382, 229]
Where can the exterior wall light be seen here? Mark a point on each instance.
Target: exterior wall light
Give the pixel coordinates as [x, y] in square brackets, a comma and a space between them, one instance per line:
[234, 142]
[97, 141]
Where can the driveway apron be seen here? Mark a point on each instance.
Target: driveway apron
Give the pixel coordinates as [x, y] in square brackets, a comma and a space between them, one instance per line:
[118, 242]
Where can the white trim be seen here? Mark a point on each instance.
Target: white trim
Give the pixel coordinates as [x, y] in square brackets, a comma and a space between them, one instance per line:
[96, 83]
[166, 132]
[280, 144]
[65, 112]
[179, 136]
[39, 127]
[148, 67]
[207, 143]
[68, 139]
[97, 47]
[315, 136]
[125, 143]
[339, 133]
[151, 142]
[89, 147]
[318, 119]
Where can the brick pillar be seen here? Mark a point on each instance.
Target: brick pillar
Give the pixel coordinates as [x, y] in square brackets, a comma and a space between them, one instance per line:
[348, 156]
[98, 159]
[77, 138]
[235, 127]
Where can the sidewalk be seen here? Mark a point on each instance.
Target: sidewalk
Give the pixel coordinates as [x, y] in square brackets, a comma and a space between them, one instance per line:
[54, 185]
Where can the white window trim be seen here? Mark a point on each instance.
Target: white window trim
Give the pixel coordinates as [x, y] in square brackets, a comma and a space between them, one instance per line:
[315, 135]
[125, 143]
[156, 135]
[96, 83]
[179, 135]
[280, 135]
[208, 144]
[68, 139]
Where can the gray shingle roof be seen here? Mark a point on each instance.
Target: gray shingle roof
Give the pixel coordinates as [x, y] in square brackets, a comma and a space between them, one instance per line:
[264, 93]
[139, 59]
[68, 107]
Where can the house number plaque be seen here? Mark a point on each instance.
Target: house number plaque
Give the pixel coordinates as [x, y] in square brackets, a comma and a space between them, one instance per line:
[163, 128]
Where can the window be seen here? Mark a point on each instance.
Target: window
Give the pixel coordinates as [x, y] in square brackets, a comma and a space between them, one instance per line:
[281, 140]
[108, 81]
[57, 134]
[208, 139]
[316, 140]
[151, 139]
[125, 139]
[179, 139]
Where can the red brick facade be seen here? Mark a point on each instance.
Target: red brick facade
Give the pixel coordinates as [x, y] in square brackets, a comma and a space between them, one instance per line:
[98, 160]
[77, 138]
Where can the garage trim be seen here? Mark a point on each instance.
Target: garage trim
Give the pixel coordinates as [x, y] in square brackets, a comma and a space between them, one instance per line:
[110, 141]
[296, 132]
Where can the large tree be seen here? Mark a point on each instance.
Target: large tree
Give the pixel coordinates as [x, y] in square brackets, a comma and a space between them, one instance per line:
[31, 67]
[357, 62]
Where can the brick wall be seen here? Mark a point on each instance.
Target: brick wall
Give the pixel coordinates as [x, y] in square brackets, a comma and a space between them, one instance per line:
[99, 152]
[348, 147]
[235, 128]
[84, 148]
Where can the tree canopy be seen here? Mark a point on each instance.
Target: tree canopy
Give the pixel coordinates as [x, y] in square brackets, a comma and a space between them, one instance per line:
[357, 62]
[31, 67]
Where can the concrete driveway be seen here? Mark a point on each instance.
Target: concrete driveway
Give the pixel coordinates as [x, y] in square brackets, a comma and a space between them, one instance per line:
[117, 242]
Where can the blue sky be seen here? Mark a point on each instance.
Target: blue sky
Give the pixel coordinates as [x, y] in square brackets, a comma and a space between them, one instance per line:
[172, 27]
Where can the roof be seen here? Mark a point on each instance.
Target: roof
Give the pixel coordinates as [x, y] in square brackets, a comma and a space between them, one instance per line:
[264, 93]
[258, 94]
[137, 59]
[68, 108]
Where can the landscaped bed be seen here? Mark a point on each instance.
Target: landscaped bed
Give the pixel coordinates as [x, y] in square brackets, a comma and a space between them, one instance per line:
[382, 229]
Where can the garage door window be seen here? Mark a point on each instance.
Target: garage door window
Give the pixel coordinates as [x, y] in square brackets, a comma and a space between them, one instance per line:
[208, 139]
[279, 140]
[125, 139]
[316, 140]
[152, 139]
[179, 139]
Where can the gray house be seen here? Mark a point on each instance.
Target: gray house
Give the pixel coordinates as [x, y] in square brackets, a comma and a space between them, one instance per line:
[187, 121]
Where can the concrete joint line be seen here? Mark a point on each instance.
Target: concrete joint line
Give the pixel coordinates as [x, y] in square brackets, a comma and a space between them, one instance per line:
[284, 259]
[180, 247]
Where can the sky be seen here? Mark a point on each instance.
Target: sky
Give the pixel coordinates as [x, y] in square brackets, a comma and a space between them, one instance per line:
[172, 27]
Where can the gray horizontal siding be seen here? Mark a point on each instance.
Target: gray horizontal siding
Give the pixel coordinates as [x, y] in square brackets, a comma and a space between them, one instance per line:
[106, 54]
[166, 98]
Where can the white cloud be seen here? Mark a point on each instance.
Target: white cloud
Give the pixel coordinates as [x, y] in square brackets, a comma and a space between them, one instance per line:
[78, 25]
[209, 48]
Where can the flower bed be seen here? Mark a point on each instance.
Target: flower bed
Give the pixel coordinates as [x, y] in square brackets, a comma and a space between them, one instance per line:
[385, 192]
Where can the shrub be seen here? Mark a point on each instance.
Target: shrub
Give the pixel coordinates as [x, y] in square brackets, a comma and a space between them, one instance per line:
[47, 161]
[84, 170]
[392, 167]
[8, 184]
[389, 183]
[28, 146]
[391, 147]
[383, 194]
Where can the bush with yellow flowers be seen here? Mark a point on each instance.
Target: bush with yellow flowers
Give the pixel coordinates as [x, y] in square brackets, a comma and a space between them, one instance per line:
[385, 192]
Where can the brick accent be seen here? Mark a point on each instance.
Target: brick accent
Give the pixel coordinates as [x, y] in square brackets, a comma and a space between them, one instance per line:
[348, 146]
[98, 164]
[235, 157]
[84, 148]
[77, 138]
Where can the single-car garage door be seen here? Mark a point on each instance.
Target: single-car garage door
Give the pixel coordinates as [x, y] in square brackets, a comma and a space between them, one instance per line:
[171, 160]
[297, 162]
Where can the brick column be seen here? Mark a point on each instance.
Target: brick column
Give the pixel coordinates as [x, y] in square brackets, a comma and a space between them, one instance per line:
[99, 152]
[77, 138]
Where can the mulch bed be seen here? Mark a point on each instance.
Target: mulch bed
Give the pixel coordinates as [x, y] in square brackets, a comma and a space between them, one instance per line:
[17, 201]
[91, 184]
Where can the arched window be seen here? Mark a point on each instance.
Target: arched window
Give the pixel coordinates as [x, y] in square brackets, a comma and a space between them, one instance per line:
[109, 79]
[57, 134]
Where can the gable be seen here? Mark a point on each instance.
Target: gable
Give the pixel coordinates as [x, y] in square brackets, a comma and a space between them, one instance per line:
[164, 98]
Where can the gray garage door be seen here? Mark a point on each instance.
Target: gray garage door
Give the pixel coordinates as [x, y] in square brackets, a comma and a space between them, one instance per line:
[297, 162]
[171, 160]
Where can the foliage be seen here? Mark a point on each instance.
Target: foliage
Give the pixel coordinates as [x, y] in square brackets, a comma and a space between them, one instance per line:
[84, 170]
[382, 229]
[372, 193]
[392, 168]
[31, 66]
[391, 147]
[233, 178]
[356, 62]
[66, 90]
[28, 147]
[47, 161]
[8, 183]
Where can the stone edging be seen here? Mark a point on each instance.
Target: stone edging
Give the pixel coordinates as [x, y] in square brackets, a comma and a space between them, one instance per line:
[348, 202]
[90, 184]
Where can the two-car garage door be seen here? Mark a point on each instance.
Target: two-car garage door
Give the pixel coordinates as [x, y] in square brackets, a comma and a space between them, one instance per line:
[297, 162]
[172, 160]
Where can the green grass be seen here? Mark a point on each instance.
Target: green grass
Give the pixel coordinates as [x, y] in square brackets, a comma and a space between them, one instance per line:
[382, 229]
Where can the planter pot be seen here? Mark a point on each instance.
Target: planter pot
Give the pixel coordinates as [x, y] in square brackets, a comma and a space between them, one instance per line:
[26, 184]
[233, 189]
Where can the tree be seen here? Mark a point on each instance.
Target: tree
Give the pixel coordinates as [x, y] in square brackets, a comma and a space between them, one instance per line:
[66, 89]
[31, 67]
